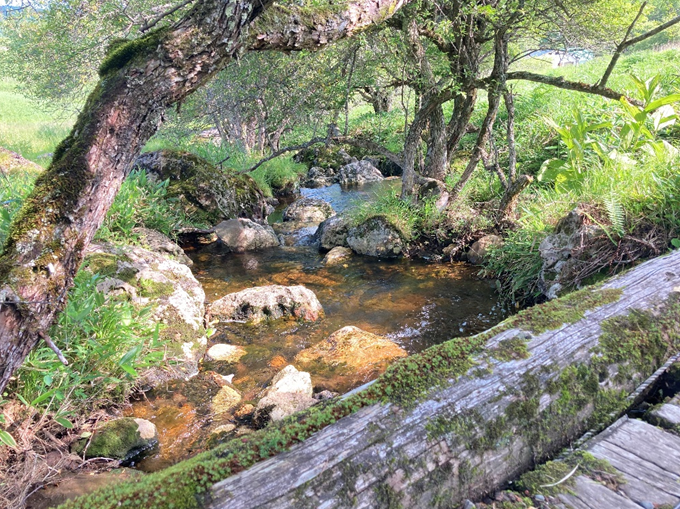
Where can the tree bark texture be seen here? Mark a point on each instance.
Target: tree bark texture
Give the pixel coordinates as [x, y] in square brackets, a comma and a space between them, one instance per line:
[477, 432]
[139, 80]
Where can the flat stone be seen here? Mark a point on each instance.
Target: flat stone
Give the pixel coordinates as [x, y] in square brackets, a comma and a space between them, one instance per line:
[225, 400]
[241, 235]
[337, 255]
[227, 353]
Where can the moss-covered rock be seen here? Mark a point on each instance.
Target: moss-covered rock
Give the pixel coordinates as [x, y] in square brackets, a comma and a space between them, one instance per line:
[376, 237]
[119, 439]
[168, 287]
[206, 193]
[12, 163]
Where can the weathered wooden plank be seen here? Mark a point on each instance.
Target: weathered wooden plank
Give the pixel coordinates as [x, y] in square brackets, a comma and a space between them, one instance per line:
[592, 495]
[667, 415]
[444, 449]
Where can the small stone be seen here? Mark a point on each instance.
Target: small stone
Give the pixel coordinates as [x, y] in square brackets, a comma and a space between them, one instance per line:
[337, 255]
[468, 504]
[227, 353]
[225, 400]
[245, 411]
[646, 505]
[119, 439]
[324, 395]
[539, 498]
[224, 428]
[278, 362]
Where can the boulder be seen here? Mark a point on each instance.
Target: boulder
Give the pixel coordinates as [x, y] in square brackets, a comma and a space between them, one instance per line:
[290, 391]
[376, 237]
[225, 353]
[268, 303]
[332, 232]
[480, 249]
[204, 191]
[153, 279]
[119, 439]
[337, 255]
[12, 163]
[159, 243]
[351, 353]
[359, 172]
[241, 235]
[308, 210]
[320, 177]
[226, 400]
[565, 249]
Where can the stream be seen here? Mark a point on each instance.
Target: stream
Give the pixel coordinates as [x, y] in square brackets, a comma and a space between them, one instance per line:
[414, 303]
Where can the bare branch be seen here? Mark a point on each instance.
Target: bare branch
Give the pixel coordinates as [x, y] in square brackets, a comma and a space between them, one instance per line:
[285, 150]
[560, 82]
[54, 347]
[150, 24]
[620, 48]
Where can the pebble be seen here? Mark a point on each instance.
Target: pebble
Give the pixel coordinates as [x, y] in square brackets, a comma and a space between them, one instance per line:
[539, 498]
[646, 505]
[469, 505]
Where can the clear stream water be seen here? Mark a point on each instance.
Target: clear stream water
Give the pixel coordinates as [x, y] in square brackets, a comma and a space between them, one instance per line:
[415, 303]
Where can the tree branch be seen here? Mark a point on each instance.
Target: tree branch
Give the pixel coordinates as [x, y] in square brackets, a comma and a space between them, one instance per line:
[620, 48]
[150, 24]
[560, 82]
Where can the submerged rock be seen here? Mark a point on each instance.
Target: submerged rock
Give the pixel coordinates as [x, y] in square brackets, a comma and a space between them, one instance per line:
[352, 352]
[337, 255]
[204, 191]
[226, 353]
[226, 400]
[308, 210]
[480, 249]
[333, 232]
[376, 237]
[241, 235]
[119, 439]
[290, 391]
[359, 172]
[268, 303]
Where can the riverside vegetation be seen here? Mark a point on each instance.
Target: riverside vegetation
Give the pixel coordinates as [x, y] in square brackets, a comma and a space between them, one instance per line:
[616, 162]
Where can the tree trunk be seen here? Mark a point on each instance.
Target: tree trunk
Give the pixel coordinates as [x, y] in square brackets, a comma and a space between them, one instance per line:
[514, 406]
[437, 159]
[139, 80]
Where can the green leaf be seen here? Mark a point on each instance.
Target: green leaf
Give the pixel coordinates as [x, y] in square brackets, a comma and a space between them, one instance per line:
[550, 169]
[64, 422]
[7, 439]
[675, 243]
[86, 434]
[662, 101]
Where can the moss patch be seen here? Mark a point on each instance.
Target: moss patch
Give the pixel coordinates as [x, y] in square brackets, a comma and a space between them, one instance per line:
[116, 439]
[122, 51]
[155, 289]
[511, 349]
[539, 480]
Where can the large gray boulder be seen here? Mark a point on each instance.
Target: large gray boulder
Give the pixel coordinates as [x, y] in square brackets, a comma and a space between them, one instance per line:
[376, 237]
[308, 210]
[359, 172]
[320, 177]
[203, 190]
[241, 235]
[290, 391]
[333, 232]
[255, 305]
[168, 287]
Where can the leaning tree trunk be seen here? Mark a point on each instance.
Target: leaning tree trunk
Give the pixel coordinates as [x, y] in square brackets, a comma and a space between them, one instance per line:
[523, 399]
[139, 80]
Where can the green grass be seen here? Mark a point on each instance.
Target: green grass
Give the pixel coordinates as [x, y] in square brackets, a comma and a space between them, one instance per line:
[26, 128]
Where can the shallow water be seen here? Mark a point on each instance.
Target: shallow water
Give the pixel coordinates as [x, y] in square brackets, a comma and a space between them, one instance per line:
[416, 304]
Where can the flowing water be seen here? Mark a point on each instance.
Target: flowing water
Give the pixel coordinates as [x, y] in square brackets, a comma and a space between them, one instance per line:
[414, 303]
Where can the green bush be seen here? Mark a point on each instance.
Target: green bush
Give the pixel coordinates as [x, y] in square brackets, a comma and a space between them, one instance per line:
[141, 203]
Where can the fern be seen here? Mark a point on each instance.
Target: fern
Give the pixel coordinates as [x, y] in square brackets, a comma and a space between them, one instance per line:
[616, 214]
